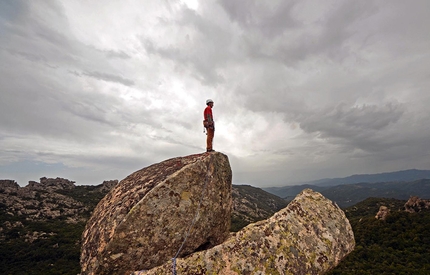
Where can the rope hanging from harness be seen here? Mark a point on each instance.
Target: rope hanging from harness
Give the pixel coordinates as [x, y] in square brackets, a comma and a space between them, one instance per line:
[194, 220]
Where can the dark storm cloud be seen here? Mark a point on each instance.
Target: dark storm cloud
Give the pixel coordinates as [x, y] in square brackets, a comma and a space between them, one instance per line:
[353, 119]
[293, 40]
[269, 20]
[359, 126]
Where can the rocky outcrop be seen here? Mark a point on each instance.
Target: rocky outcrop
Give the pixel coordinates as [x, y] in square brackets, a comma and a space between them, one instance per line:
[142, 221]
[382, 213]
[8, 186]
[310, 236]
[106, 186]
[41, 228]
[415, 204]
[49, 184]
[40, 201]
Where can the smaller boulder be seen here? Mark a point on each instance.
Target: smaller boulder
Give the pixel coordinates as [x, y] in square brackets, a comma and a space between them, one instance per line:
[310, 236]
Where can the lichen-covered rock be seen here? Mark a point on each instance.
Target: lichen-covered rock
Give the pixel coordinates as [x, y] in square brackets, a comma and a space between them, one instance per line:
[142, 222]
[41, 201]
[382, 213]
[416, 204]
[49, 184]
[310, 236]
[8, 186]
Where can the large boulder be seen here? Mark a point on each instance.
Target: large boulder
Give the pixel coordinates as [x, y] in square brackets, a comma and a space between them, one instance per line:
[142, 222]
[310, 236]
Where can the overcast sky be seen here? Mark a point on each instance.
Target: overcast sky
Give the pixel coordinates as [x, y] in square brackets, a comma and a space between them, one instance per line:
[303, 90]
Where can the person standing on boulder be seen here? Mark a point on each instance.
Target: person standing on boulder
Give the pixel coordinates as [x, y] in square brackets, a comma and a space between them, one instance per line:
[209, 124]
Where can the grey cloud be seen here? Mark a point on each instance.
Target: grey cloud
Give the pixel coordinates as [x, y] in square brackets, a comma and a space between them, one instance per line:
[90, 110]
[270, 20]
[198, 61]
[359, 126]
[335, 31]
[29, 56]
[24, 26]
[204, 54]
[51, 36]
[357, 118]
[10, 9]
[117, 54]
[110, 78]
[33, 105]
[75, 73]
[29, 37]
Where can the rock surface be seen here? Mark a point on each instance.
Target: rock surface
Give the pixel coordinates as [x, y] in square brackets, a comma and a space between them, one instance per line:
[141, 223]
[40, 201]
[49, 184]
[382, 213]
[310, 236]
[416, 204]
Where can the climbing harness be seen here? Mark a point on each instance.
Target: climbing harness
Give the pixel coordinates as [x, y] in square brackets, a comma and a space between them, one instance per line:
[194, 219]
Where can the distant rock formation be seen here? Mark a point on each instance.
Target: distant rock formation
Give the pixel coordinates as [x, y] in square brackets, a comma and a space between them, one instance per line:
[141, 223]
[49, 184]
[41, 224]
[382, 213]
[7, 186]
[49, 199]
[310, 236]
[107, 185]
[40, 201]
[415, 204]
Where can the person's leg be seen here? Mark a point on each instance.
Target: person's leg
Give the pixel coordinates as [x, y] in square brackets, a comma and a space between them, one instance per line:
[209, 139]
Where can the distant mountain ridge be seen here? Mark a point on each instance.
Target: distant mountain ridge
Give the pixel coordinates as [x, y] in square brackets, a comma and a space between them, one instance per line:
[350, 194]
[350, 190]
[404, 175]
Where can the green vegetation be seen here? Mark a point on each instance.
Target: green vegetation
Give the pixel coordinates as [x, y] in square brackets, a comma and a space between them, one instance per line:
[237, 223]
[88, 195]
[255, 205]
[260, 198]
[398, 245]
[56, 251]
[45, 247]
[351, 194]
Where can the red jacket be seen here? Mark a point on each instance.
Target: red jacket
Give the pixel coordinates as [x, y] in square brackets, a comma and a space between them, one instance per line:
[207, 115]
